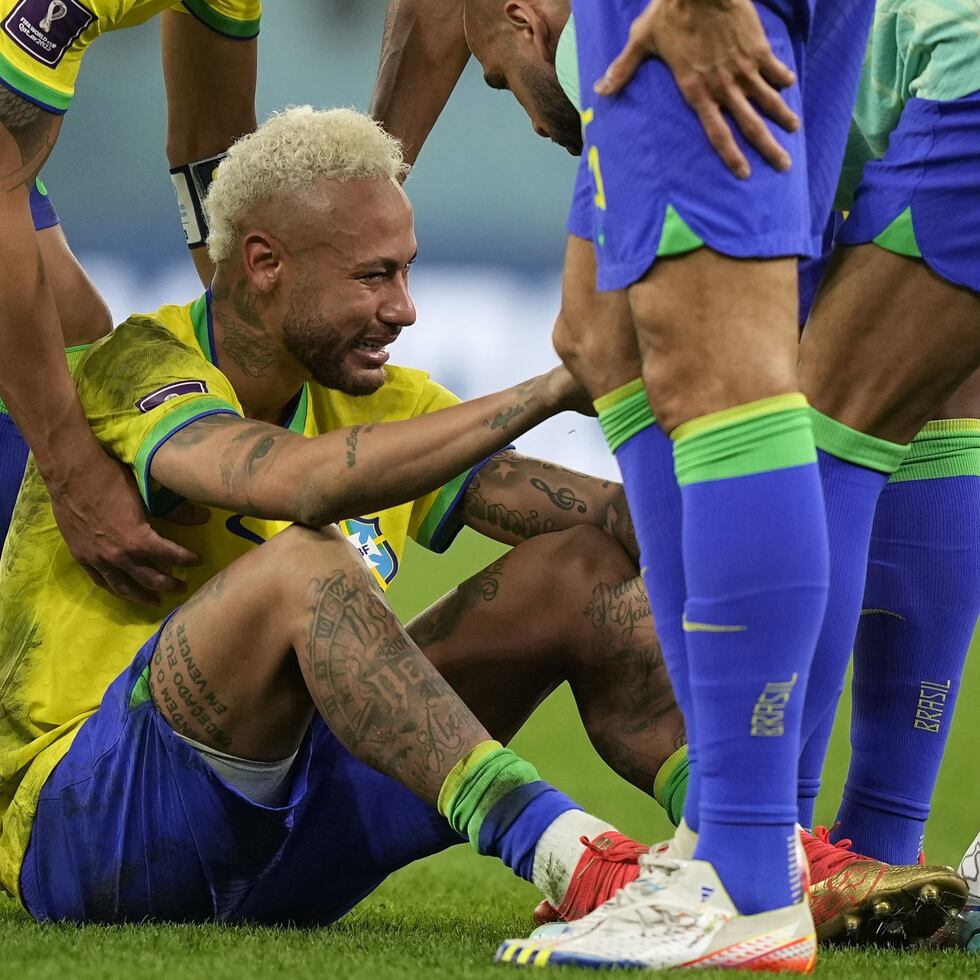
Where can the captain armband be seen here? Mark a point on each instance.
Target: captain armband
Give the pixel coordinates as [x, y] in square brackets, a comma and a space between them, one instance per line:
[191, 182]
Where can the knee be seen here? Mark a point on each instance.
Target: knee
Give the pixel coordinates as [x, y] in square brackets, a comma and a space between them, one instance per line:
[578, 559]
[300, 554]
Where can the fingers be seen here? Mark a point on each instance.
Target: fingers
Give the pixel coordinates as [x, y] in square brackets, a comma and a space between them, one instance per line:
[756, 131]
[770, 102]
[720, 136]
[774, 71]
[164, 553]
[622, 68]
[116, 581]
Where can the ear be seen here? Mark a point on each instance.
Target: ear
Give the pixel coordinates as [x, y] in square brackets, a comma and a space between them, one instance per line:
[261, 261]
[526, 20]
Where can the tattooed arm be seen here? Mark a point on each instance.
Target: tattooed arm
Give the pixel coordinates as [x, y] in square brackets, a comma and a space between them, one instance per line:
[266, 471]
[94, 502]
[423, 53]
[513, 498]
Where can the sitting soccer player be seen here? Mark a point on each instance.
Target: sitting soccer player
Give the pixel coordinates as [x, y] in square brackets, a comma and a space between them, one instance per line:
[195, 762]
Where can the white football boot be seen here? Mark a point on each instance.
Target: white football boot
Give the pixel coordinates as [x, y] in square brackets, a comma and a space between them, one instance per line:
[677, 914]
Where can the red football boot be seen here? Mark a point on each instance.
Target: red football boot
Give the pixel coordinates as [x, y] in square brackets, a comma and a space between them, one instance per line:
[609, 862]
[858, 899]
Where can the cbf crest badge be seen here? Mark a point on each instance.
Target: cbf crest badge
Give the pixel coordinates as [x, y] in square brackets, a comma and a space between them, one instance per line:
[365, 534]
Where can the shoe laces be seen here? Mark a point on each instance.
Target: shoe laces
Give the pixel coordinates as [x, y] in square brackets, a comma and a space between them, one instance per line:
[642, 902]
[624, 851]
[826, 858]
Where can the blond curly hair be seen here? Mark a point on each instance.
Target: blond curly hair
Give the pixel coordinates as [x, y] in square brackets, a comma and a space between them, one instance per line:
[285, 156]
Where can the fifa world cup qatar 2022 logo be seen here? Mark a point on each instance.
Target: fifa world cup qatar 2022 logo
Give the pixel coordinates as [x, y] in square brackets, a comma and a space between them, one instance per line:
[46, 29]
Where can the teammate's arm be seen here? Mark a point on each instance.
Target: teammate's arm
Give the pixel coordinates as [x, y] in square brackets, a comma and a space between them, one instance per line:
[512, 498]
[210, 83]
[423, 53]
[94, 502]
[266, 471]
[722, 61]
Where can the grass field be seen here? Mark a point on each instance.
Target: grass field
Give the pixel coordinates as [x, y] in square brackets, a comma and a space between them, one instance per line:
[443, 917]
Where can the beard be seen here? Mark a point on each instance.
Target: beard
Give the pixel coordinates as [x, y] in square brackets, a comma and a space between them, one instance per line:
[558, 115]
[323, 352]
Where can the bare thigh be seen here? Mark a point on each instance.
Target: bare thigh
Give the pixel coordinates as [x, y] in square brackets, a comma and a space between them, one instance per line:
[888, 341]
[715, 332]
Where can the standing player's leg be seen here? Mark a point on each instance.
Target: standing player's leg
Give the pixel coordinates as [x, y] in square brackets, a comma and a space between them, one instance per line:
[595, 338]
[921, 604]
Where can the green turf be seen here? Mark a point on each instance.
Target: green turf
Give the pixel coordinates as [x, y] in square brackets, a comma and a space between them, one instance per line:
[443, 918]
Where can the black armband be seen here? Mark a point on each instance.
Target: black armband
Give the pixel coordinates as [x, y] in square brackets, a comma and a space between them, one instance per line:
[191, 182]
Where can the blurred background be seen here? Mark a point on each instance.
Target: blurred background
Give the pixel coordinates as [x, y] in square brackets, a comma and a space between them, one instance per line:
[490, 200]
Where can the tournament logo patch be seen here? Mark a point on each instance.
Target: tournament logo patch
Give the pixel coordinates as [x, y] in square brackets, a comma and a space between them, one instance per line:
[365, 534]
[46, 29]
[156, 398]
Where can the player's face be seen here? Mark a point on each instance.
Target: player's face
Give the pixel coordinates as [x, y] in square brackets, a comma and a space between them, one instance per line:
[349, 297]
[535, 86]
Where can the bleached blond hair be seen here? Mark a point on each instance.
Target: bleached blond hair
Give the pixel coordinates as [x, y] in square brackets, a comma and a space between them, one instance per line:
[285, 156]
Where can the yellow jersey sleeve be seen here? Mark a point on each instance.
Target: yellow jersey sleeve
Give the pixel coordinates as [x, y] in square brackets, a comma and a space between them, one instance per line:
[435, 520]
[141, 385]
[232, 18]
[41, 47]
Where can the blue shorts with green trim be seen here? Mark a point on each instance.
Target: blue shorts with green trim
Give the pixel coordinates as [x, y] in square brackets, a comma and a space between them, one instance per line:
[42, 210]
[658, 187]
[922, 198]
[132, 824]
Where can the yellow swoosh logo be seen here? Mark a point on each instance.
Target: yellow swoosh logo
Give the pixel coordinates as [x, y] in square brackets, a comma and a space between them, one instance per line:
[694, 627]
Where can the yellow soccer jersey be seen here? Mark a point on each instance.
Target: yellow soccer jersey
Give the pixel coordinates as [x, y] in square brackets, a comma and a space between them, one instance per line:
[62, 639]
[42, 41]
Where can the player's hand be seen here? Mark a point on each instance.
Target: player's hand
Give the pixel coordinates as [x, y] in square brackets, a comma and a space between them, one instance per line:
[569, 395]
[104, 524]
[721, 60]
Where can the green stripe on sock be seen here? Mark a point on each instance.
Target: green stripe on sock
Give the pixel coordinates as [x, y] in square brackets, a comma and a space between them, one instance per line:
[771, 434]
[477, 783]
[856, 447]
[670, 785]
[74, 356]
[623, 412]
[950, 447]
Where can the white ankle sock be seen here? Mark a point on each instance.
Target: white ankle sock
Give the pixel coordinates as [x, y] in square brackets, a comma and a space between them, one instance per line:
[559, 849]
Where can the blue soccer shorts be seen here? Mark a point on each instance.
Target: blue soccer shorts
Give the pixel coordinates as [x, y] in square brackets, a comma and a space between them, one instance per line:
[132, 824]
[657, 186]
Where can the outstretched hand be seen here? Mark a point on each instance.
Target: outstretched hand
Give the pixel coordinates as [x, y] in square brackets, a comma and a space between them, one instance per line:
[105, 526]
[721, 60]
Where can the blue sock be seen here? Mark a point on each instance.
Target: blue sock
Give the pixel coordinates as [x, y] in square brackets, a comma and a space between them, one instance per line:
[13, 459]
[811, 766]
[755, 558]
[496, 800]
[854, 468]
[646, 460]
[921, 604]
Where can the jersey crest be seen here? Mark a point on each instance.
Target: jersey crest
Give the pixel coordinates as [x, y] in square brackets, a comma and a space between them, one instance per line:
[365, 534]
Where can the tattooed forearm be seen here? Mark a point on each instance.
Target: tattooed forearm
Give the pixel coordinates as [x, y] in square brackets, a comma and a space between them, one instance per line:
[33, 130]
[377, 691]
[482, 514]
[502, 419]
[352, 438]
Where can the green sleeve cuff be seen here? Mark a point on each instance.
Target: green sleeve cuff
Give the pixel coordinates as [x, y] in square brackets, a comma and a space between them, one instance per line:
[161, 500]
[442, 523]
[239, 30]
[31, 89]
